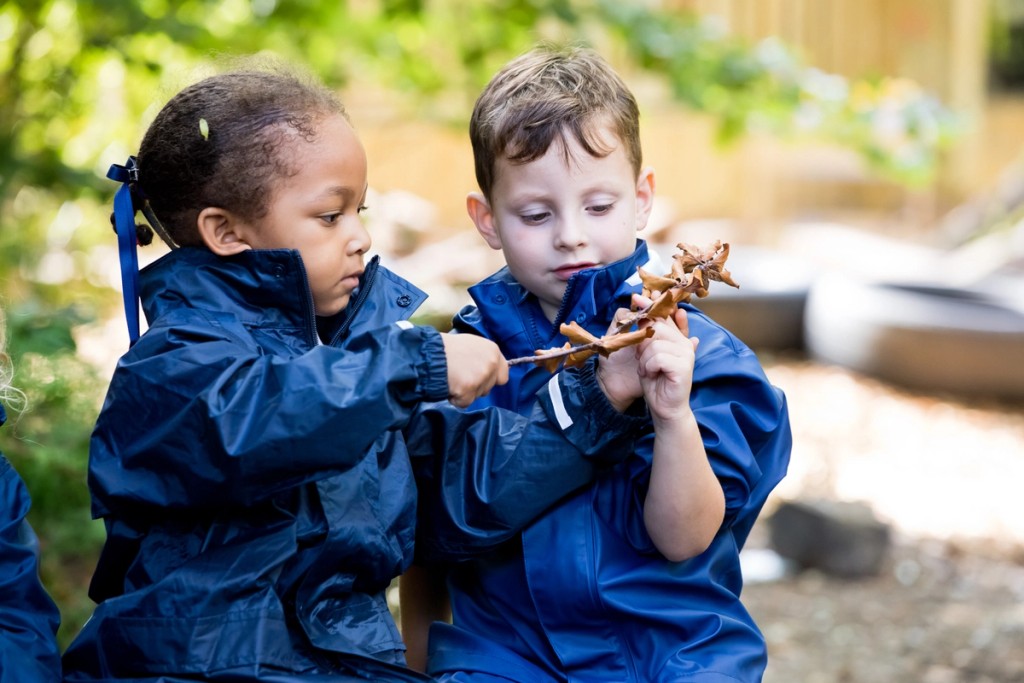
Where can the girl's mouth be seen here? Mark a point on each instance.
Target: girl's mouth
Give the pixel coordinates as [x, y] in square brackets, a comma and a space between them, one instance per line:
[352, 280]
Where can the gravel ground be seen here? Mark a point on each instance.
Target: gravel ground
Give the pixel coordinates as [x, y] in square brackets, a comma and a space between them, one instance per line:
[948, 606]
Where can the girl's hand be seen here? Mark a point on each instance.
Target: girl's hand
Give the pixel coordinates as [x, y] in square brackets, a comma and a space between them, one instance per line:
[475, 365]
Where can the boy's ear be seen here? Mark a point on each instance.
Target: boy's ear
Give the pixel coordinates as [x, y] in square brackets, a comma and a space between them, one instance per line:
[479, 210]
[644, 197]
[222, 232]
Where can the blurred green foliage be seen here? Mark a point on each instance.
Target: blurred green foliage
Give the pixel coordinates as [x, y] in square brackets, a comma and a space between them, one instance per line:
[48, 445]
[80, 80]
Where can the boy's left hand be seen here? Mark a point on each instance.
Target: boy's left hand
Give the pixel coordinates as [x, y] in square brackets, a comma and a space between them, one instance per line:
[665, 367]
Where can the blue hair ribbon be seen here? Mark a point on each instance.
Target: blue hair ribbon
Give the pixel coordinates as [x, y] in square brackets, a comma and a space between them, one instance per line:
[127, 242]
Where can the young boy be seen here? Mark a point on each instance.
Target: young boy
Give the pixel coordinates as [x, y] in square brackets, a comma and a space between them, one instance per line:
[636, 577]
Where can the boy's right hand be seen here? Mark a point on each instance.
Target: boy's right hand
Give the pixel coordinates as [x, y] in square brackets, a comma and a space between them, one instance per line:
[617, 373]
[475, 365]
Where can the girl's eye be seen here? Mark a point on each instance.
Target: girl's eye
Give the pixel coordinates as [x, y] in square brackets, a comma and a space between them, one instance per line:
[330, 218]
[362, 207]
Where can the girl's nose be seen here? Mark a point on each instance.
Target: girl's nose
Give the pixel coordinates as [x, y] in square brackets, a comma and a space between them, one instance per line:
[360, 242]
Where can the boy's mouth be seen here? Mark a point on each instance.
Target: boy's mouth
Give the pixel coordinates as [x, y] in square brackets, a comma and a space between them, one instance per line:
[568, 270]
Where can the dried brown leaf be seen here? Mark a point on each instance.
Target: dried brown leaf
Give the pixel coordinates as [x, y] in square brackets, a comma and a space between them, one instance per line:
[726, 277]
[680, 295]
[613, 342]
[656, 283]
[662, 307]
[574, 360]
[692, 271]
[577, 335]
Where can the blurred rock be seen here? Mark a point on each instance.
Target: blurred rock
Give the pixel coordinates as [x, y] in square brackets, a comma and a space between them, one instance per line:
[836, 537]
[764, 564]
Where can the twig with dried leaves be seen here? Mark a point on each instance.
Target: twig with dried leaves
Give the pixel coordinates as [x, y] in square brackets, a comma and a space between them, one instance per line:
[693, 269]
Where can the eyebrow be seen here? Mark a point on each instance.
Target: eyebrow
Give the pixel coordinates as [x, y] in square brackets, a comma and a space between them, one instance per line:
[337, 191]
[342, 191]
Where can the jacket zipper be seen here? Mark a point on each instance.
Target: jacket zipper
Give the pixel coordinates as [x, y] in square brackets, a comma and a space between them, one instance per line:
[369, 275]
[314, 338]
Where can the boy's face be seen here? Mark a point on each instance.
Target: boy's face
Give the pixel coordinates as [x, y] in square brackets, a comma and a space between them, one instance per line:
[553, 217]
[316, 211]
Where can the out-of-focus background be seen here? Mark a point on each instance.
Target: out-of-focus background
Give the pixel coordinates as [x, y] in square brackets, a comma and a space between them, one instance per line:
[863, 158]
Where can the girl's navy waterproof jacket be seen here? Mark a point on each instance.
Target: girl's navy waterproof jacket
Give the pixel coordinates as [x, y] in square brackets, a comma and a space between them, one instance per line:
[257, 486]
[583, 594]
[28, 617]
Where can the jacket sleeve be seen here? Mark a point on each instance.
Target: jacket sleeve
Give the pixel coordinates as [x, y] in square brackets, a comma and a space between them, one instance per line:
[485, 474]
[744, 422]
[28, 617]
[197, 419]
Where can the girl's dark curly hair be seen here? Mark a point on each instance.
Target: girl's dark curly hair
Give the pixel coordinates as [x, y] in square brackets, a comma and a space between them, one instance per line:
[218, 143]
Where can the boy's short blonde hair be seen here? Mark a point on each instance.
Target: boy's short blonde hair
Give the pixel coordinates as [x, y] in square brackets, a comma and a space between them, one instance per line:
[545, 95]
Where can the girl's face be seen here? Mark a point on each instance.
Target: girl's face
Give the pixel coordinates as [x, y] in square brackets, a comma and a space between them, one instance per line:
[316, 211]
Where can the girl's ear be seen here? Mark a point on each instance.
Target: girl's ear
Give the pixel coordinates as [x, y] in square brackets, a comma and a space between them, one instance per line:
[479, 210]
[644, 197]
[222, 232]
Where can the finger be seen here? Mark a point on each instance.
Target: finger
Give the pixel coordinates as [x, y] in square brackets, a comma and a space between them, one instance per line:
[673, 368]
[666, 329]
[620, 316]
[681, 321]
[502, 373]
[640, 302]
[661, 365]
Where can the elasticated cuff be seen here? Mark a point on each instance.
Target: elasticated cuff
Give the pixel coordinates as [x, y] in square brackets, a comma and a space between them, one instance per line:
[433, 368]
[634, 420]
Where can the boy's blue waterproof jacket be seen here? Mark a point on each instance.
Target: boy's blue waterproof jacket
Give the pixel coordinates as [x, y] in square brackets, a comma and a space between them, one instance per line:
[257, 486]
[28, 617]
[583, 594]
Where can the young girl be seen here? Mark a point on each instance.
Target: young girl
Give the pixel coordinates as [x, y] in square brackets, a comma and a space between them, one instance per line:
[254, 460]
[28, 617]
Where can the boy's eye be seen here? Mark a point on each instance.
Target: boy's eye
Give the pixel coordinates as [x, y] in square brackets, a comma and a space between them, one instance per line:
[601, 209]
[534, 218]
[362, 207]
[331, 218]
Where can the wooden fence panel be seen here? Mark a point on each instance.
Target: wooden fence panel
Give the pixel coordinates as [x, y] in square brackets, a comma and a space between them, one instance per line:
[938, 43]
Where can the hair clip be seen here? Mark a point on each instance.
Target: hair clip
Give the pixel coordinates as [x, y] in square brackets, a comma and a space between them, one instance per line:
[129, 173]
[127, 242]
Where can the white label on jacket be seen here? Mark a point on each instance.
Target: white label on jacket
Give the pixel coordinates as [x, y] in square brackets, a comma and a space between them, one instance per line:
[654, 265]
[555, 391]
[404, 324]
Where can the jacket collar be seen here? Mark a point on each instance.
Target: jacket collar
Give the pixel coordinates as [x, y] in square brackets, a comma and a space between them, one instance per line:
[268, 289]
[265, 287]
[512, 317]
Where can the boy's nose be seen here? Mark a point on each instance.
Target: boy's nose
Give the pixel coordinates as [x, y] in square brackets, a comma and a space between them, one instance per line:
[570, 233]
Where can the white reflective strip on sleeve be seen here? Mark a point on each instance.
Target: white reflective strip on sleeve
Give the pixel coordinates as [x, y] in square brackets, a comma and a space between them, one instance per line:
[654, 265]
[555, 391]
[404, 324]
